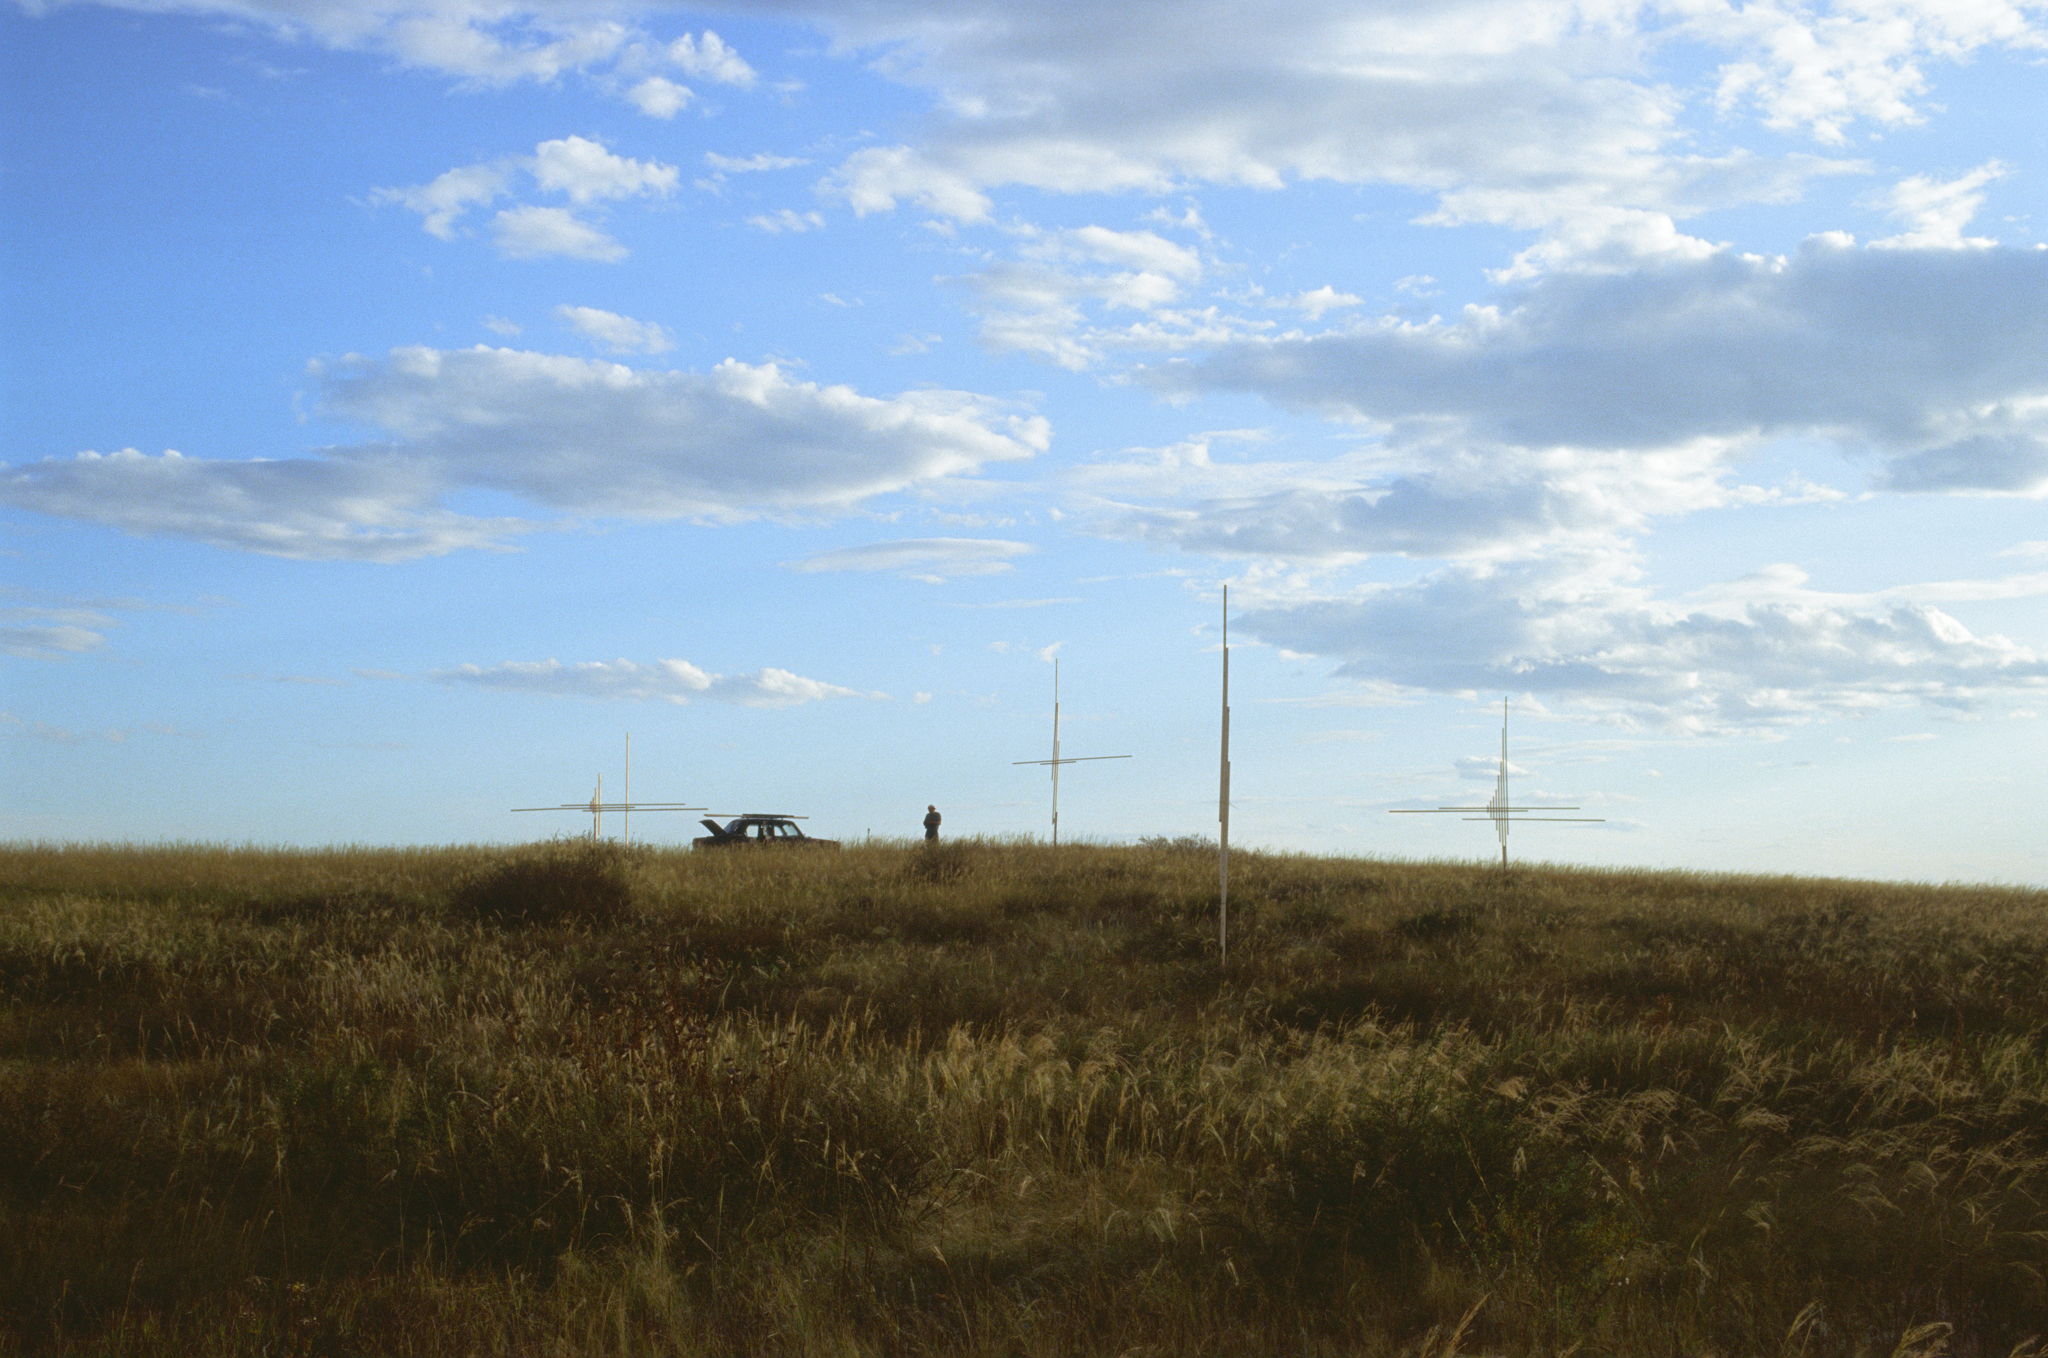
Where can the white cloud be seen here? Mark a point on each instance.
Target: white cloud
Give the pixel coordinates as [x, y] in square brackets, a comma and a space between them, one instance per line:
[708, 57]
[444, 199]
[533, 232]
[1936, 211]
[668, 681]
[576, 168]
[1824, 69]
[595, 437]
[1145, 252]
[1526, 111]
[1932, 362]
[786, 220]
[1573, 105]
[586, 172]
[1752, 654]
[459, 44]
[758, 163]
[487, 45]
[1315, 302]
[368, 507]
[659, 97]
[1606, 240]
[932, 560]
[1416, 496]
[570, 436]
[617, 334]
[1057, 300]
[36, 632]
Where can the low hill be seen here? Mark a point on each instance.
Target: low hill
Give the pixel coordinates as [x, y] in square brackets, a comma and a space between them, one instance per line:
[1001, 1099]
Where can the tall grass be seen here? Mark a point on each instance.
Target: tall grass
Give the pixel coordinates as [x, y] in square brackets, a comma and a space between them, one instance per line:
[995, 1098]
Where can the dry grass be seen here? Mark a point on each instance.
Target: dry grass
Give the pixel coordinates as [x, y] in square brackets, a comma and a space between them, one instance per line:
[999, 1099]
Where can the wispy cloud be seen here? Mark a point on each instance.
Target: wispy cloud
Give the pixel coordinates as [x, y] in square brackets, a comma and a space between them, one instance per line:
[667, 681]
[929, 559]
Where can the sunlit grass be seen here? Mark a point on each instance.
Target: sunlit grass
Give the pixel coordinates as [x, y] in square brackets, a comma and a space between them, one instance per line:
[995, 1098]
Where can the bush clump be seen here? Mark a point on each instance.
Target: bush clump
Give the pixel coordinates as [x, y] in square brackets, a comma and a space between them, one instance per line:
[564, 882]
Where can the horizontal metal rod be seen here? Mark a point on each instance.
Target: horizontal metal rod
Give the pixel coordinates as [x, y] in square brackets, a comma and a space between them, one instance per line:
[1553, 820]
[613, 806]
[1071, 759]
[1507, 810]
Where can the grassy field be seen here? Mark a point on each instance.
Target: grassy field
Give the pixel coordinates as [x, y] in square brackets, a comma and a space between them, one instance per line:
[999, 1099]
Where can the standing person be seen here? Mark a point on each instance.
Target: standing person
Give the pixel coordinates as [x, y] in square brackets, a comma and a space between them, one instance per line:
[931, 824]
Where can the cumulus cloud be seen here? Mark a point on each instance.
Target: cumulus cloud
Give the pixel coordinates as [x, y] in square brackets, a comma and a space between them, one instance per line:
[709, 57]
[570, 436]
[1566, 105]
[1823, 70]
[1932, 362]
[1314, 303]
[615, 333]
[1756, 653]
[583, 171]
[932, 560]
[1522, 111]
[659, 97]
[586, 172]
[667, 681]
[601, 438]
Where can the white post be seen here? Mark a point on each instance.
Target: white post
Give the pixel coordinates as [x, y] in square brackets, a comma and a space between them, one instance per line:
[1223, 802]
[627, 814]
[596, 810]
[1055, 752]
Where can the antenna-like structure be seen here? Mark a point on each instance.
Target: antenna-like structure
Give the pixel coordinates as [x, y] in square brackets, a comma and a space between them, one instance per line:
[597, 805]
[1500, 809]
[1055, 762]
[1223, 803]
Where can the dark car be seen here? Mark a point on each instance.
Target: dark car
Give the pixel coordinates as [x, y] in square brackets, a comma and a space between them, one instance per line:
[772, 831]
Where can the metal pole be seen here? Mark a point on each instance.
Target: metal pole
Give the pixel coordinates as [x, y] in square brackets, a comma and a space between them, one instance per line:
[627, 814]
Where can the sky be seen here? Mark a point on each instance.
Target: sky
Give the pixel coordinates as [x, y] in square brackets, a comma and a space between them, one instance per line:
[403, 402]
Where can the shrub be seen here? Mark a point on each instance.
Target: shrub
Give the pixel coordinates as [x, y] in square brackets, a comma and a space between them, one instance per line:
[564, 882]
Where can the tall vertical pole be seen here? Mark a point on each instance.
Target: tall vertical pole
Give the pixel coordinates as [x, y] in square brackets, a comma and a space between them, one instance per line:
[596, 815]
[1223, 803]
[1501, 794]
[627, 814]
[1055, 752]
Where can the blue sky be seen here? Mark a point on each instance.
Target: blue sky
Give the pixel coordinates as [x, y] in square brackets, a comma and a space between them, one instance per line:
[403, 402]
